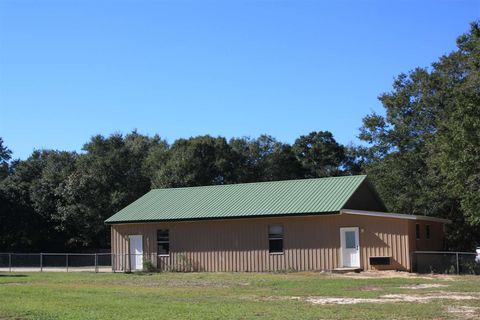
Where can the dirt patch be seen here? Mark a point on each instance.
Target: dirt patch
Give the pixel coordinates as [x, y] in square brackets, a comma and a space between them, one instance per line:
[432, 296]
[424, 286]
[390, 298]
[393, 274]
[368, 288]
[330, 300]
[464, 312]
[13, 284]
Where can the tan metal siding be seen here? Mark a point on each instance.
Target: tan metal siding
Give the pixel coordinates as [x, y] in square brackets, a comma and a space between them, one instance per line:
[436, 241]
[310, 243]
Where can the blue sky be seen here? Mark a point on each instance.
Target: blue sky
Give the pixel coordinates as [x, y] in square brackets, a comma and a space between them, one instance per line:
[72, 69]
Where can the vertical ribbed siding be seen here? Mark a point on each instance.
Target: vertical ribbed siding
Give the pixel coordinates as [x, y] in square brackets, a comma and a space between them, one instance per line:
[310, 243]
[436, 241]
[120, 243]
[388, 238]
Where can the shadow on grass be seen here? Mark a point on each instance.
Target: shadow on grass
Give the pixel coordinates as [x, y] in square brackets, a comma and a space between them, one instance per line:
[141, 273]
[13, 275]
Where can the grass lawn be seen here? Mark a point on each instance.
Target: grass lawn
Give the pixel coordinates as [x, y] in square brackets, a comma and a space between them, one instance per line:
[235, 296]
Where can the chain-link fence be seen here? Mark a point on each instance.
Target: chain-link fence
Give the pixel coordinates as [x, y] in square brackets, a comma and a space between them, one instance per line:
[445, 262]
[130, 262]
[95, 262]
[71, 262]
[422, 262]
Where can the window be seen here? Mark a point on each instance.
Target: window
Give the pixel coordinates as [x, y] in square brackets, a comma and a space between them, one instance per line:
[350, 241]
[275, 238]
[163, 242]
[417, 231]
[427, 231]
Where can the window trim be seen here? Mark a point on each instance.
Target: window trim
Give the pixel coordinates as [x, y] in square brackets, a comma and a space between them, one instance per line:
[282, 237]
[163, 241]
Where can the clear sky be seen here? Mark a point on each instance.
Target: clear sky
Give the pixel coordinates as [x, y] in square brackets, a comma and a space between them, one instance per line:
[72, 69]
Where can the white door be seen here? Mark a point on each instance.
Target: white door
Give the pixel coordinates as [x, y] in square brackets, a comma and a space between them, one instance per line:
[136, 252]
[349, 240]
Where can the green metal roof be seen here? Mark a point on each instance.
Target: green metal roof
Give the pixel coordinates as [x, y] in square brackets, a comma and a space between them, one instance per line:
[290, 197]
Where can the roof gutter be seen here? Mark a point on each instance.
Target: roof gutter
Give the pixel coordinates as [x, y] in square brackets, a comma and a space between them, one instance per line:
[393, 215]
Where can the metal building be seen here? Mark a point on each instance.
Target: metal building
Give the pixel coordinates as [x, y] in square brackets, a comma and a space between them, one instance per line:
[308, 224]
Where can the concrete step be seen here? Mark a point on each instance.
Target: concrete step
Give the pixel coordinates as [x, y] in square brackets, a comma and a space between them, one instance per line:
[346, 270]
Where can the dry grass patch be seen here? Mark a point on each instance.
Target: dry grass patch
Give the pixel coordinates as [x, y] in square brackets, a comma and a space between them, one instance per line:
[424, 286]
[390, 298]
[306, 295]
[464, 312]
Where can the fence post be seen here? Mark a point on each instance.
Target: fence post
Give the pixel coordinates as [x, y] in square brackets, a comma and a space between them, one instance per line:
[66, 260]
[458, 269]
[411, 261]
[96, 263]
[41, 262]
[10, 262]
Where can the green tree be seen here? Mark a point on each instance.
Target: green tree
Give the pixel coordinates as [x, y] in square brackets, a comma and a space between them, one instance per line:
[29, 199]
[456, 149]
[155, 159]
[320, 154]
[107, 177]
[264, 159]
[5, 156]
[424, 153]
[202, 160]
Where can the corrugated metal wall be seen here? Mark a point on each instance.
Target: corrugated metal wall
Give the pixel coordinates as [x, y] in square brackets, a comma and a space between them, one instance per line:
[436, 241]
[310, 243]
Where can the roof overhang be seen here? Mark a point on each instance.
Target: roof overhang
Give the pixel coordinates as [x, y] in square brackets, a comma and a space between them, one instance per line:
[292, 197]
[393, 215]
[273, 216]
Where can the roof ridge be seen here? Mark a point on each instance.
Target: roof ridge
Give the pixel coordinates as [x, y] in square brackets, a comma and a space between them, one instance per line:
[267, 198]
[260, 182]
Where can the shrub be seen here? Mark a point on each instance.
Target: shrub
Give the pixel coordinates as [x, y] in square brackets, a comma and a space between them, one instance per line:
[148, 266]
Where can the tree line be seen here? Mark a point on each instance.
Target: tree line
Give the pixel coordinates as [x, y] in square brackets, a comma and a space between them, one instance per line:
[59, 200]
[423, 156]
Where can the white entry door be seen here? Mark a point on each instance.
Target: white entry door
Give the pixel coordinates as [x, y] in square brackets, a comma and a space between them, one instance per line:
[349, 240]
[136, 252]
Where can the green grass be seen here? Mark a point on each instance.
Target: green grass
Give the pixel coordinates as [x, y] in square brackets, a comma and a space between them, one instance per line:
[218, 296]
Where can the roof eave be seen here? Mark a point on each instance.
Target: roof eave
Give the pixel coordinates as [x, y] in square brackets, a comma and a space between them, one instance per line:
[394, 215]
[287, 215]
